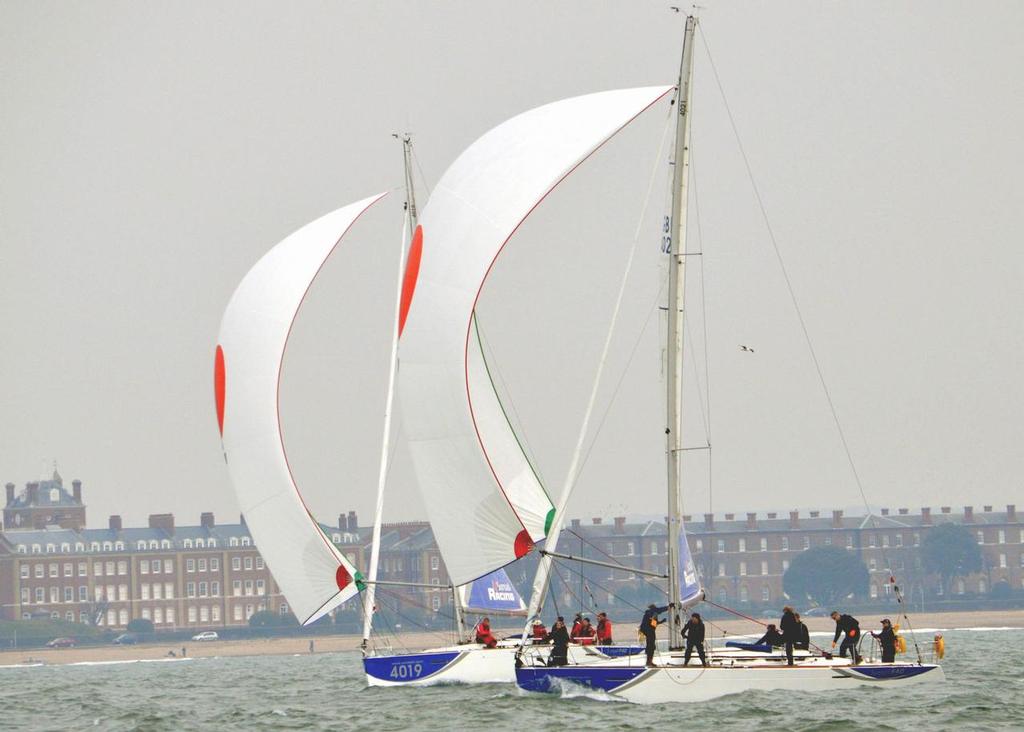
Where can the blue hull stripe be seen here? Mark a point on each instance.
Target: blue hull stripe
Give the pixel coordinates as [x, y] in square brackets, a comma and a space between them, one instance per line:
[408, 667]
[887, 673]
[620, 651]
[606, 679]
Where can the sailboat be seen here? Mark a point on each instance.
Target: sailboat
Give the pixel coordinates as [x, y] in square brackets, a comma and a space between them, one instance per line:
[669, 680]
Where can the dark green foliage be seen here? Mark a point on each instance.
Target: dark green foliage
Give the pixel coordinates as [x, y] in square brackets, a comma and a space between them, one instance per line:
[28, 633]
[267, 619]
[950, 550]
[825, 575]
[140, 625]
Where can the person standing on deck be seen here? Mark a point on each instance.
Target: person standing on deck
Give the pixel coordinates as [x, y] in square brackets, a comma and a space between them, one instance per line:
[577, 623]
[484, 635]
[803, 635]
[604, 630]
[849, 625]
[789, 626]
[539, 632]
[559, 638]
[587, 634]
[693, 634]
[887, 639]
[649, 628]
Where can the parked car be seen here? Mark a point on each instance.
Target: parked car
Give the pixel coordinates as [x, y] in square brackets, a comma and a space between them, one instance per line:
[61, 643]
[208, 635]
[126, 639]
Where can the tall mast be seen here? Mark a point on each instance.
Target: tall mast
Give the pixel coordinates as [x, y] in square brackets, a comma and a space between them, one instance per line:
[408, 225]
[676, 282]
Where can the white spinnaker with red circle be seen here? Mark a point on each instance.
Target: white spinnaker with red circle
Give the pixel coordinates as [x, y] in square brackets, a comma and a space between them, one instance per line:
[313, 575]
[457, 440]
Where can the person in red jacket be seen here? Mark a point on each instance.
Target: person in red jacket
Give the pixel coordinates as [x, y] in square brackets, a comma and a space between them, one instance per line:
[539, 631]
[483, 634]
[577, 623]
[604, 630]
[587, 633]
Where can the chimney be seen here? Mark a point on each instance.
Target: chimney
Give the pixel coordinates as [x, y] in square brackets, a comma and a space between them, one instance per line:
[575, 523]
[1011, 512]
[709, 522]
[815, 514]
[10, 493]
[946, 509]
[597, 521]
[206, 520]
[968, 514]
[926, 516]
[837, 519]
[904, 511]
[115, 523]
[885, 511]
[751, 521]
[794, 519]
[773, 515]
[342, 522]
[353, 522]
[620, 524]
[730, 516]
[163, 521]
[33, 493]
[76, 490]
[241, 519]
[988, 509]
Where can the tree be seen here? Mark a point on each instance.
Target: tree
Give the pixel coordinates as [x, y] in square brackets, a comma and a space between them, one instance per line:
[140, 625]
[825, 575]
[267, 619]
[950, 551]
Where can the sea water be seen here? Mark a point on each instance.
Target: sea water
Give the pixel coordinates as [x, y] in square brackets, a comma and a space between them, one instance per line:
[984, 691]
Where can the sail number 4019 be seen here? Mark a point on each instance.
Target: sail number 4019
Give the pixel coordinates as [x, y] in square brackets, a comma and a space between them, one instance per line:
[407, 670]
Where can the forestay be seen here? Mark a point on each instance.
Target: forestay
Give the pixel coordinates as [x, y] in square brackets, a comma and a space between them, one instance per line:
[484, 503]
[313, 575]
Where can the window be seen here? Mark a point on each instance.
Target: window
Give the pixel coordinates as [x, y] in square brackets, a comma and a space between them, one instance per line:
[873, 564]
[69, 570]
[122, 593]
[215, 589]
[144, 566]
[807, 542]
[248, 587]
[40, 595]
[215, 612]
[1002, 536]
[94, 546]
[212, 543]
[50, 549]
[261, 587]
[65, 548]
[190, 589]
[36, 548]
[233, 541]
[1002, 561]
[743, 545]
[158, 616]
[110, 569]
[200, 544]
[917, 538]
[785, 565]
[144, 588]
[248, 562]
[119, 546]
[108, 546]
[874, 592]
[190, 565]
[83, 593]
[899, 539]
[54, 594]
[981, 537]
[97, 569]
[248, 611]
[54, 570]
[40, 570]
[785, 543]
[435, 603]
[871, 541]
[79, 546]
[246, 541]
[69, 594]
[828, 540]
[236, 588]
[204, 614]
[885, 541]
[698, 545]
[202, 589]
[982, 586]
[156, 566]
[236, 563]
[140, 545]
[744, 595]
[26, 596]
[259, 562]
[238, 610]
[169, 615]
[202, 564]
[723, 595]
[743, 569]
[284, 608]
[158, 591]
[191, 615]
[146, 614]
[764, 545]
[721, 545]
[168, 567]
[434, 563]
[766, 594]
[764, 568]
[24, 571]
[168, 592]
[111, 593]
[83, 617]
[960, 587]
[188, 545]
[214, 564]
[21, 548]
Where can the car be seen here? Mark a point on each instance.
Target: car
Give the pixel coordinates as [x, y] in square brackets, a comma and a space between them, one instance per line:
[208, 635]
[61, 643]
[126, 639]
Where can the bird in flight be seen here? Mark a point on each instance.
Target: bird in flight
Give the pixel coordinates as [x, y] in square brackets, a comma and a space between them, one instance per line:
[748, 349]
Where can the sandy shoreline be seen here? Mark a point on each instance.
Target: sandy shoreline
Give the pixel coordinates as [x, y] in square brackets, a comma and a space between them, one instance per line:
[339, 643]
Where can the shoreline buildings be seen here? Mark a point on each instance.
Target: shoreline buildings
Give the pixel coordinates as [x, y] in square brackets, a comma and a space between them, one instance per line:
[211, 575]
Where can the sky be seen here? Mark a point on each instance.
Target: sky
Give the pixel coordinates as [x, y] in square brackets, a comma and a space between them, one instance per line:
[150, 153]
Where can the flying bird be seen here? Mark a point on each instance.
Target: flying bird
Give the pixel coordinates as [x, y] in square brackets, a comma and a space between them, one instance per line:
[748, 349]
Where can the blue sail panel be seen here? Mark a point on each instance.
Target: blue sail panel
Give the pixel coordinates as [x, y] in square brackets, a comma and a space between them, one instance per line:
[689, 583]
[493, 593]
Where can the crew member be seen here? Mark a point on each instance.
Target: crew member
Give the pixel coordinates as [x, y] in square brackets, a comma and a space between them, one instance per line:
[649, 627]
[483, 634]
[539, 631]
[559, 638]
[604, 630]
[887, 639]
[803, 635]
[772, 637]
[587, 633]
[693, 634]
[849, 625]
[577, 623]
[789, 626]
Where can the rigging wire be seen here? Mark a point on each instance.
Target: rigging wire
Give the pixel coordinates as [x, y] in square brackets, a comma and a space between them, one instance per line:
[704, 320]
[800, 317]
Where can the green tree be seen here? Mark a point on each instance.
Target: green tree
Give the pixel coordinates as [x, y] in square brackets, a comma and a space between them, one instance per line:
[950, 551]
[825, 575]
[140, 625]
[267, 619]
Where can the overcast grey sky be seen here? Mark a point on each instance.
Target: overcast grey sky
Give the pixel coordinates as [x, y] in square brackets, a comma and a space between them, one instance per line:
[151, 152]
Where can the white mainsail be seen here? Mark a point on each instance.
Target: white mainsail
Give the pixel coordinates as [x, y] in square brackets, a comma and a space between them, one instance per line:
[313, 575]
[471, 478]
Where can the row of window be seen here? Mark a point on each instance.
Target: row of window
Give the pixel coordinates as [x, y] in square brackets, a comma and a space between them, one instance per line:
[99, 569]
[119, 546]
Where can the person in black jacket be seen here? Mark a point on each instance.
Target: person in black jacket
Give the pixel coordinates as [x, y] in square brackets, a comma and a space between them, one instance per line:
[693, 634]
[559, 639]
[649, 626]
[887, 639]
[790, 631]
[772, 637]
[803, 635]
[849, 625]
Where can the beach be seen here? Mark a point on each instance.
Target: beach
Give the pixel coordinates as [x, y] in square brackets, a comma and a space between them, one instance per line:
[414, 641]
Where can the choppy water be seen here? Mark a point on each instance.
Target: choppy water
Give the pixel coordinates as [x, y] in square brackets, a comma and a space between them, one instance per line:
[984, 691]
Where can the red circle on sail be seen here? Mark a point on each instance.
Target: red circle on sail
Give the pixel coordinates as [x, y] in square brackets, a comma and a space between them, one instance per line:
[523, 544]
[342, 577]
[219, 381]
[412, 271]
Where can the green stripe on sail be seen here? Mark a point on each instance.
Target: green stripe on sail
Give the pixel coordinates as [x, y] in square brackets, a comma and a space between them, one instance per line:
[360, 581]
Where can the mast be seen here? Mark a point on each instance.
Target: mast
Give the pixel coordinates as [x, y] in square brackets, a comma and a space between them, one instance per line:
[408, 225]
[676, 282]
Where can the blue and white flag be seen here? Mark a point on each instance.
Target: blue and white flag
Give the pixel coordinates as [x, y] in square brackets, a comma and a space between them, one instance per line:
[492, 593]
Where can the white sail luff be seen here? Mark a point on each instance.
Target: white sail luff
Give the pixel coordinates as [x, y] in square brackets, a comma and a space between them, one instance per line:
[312, 574]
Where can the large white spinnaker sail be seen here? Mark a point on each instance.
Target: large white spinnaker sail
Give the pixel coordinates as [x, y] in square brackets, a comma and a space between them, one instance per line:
[313, 575]
[469, 476]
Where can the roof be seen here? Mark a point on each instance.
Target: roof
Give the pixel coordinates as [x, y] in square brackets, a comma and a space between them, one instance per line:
[45, 496]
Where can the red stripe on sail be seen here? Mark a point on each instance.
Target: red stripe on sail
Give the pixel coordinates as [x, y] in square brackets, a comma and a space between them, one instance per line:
[219, 381]
[342, 577]
[523, 543]
[412, 271]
